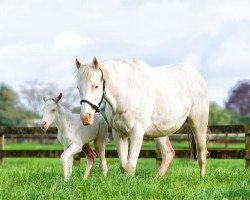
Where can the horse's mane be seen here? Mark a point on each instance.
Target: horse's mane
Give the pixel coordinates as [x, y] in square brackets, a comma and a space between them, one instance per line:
[86, 71]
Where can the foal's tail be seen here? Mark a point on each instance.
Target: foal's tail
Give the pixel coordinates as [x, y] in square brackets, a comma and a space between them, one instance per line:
[107, 140]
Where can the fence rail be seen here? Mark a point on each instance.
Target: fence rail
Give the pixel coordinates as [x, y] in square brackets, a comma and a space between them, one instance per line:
[213, 153]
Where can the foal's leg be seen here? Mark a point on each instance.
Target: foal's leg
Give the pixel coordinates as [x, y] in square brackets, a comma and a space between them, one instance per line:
[100, 150]
[66, 159]
[136, 139]
[71, 161]
[198, 121]
[167, 153]
[90, 156]
[122, 149]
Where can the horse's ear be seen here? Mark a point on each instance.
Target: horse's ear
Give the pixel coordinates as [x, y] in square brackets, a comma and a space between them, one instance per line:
[57, 99]
[45, 99]
[95, 63]
[78, 64]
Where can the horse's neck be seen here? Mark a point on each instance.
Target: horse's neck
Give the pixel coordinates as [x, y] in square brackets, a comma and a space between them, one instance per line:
[117, 92]
[109, 97]
[63, 118]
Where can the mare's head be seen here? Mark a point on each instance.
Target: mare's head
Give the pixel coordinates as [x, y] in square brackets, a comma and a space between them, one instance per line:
[50, 111]
[90, 84]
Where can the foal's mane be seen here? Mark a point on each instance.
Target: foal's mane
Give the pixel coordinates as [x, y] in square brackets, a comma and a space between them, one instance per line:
[86, 71]
[60, 105]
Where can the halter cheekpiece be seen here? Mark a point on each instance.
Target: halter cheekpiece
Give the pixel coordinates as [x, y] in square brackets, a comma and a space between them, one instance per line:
[93, 106]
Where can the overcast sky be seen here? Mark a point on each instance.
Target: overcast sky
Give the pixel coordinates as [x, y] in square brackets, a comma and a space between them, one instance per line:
[40, 39]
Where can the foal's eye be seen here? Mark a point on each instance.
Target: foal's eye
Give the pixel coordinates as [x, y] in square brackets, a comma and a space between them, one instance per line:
[96, 86]
[53, 110]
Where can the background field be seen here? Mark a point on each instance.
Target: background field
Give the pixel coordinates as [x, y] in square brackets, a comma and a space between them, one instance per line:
[42, 179]
[149, 145]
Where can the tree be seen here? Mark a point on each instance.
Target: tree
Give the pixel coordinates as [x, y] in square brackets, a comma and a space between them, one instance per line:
[239, 98]
[33, 92]
[11, 113]
[220, 116]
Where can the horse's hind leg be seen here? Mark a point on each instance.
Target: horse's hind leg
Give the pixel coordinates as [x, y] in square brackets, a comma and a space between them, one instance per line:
[198, 121]
[167, 153]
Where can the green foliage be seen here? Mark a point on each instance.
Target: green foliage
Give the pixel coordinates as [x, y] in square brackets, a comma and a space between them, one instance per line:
[11, 114]
[220, 116]
[43, 179]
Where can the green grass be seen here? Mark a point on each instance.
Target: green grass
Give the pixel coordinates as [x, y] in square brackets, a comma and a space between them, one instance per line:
[149, 145]
[42, 178]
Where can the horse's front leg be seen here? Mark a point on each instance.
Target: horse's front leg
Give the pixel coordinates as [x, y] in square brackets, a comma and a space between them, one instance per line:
[67, 159]
[122, 149]
[136, 139]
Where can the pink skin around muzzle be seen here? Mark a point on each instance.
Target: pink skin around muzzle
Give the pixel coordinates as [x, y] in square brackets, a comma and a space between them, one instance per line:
[87, 119]
[44, 125]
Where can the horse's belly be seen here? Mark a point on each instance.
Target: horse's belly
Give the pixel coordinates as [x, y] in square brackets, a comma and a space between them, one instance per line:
[165, 128]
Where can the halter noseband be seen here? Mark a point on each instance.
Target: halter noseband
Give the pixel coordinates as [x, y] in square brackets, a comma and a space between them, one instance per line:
[93, 106]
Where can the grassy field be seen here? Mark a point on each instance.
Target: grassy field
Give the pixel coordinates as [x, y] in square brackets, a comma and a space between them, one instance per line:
[42, 179]
[149, 145]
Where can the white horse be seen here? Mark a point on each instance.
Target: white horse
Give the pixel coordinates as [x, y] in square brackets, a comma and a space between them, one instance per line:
[75, 137]
[145, 101]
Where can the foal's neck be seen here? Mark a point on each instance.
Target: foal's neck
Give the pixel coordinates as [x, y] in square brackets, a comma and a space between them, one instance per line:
[63, 118]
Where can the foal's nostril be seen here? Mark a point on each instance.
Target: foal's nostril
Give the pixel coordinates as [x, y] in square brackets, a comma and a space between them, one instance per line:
[44, 124]
[89, 115]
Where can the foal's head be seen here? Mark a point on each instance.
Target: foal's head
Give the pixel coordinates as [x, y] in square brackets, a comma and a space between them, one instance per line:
[50, 111]
[90, 85]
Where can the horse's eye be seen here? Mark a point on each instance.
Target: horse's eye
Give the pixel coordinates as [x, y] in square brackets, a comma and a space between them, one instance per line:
[53, 110]
[96, 86]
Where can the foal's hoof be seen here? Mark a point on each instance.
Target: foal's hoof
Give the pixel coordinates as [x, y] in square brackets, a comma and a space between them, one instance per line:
[130, 171]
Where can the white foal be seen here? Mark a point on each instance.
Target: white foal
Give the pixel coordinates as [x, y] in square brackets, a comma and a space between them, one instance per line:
[75, 137]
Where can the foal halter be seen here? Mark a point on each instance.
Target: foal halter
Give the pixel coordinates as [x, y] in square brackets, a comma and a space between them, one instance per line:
[93, 106]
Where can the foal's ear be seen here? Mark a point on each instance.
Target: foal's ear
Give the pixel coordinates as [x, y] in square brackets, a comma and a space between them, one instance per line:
[78, 64]
[95, 63]
[45, 99]
[57, 99]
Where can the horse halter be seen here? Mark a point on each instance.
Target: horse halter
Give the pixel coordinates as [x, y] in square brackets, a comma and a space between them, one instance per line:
[93, 106]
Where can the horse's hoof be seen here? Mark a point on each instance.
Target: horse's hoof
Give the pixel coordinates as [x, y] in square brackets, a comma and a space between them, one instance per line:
[130, 171]
[159, 176]
[123, 169]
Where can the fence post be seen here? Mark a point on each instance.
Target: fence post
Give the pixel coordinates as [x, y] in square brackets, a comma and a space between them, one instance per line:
[247, 145]
[42, 139]
[226, 140]
[158, 157]
[1, 147]
[13, 139]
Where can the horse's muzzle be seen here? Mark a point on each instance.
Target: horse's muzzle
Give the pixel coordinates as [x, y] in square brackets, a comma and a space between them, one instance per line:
[87, 119]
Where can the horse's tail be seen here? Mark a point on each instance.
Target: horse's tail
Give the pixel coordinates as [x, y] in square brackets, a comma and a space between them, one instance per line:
[192, 146]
